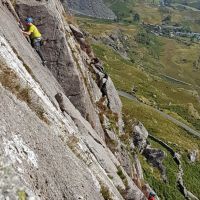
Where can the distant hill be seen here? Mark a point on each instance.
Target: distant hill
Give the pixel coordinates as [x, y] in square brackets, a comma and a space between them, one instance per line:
[93, 8]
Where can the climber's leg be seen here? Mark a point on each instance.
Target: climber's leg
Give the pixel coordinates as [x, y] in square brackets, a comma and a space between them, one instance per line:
[36, 44]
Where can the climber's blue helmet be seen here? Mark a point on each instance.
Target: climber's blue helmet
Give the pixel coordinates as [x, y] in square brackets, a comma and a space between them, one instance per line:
[29, 20]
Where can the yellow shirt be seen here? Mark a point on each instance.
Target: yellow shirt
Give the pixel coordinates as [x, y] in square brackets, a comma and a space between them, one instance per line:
[34, 32]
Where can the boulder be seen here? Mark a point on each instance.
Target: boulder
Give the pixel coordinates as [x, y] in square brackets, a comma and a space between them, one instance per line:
[140, 135]
[77, 33]
[193, 155]
[156, 157]
[116, 43]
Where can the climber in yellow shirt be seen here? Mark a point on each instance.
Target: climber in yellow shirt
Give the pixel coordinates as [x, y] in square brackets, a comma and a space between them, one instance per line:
[34, 32]
[35, 37]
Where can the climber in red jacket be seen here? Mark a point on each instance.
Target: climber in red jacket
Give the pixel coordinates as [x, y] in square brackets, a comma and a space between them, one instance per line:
[151, 196]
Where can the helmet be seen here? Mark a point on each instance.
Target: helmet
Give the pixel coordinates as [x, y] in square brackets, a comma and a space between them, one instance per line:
[29, 20]
[152, 194]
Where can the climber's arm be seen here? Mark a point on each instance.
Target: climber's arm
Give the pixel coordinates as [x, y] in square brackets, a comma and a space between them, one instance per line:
[26, 33]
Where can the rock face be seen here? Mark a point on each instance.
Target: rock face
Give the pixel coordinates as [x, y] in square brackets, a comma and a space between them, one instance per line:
[93, 8]
[138, 168]
[63, 63]
[52, 141]
[117, 41]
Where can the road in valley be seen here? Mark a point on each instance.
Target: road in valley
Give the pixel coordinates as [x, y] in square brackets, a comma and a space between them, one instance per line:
[172, 119]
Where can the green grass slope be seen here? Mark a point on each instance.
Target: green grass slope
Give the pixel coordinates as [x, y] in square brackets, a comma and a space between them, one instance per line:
[148, 64]
[152, 61]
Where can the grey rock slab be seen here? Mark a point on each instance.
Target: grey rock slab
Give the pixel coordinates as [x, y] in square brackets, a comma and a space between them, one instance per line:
[138, 167]
[63, 58]
[124, 158]
[115, 103]
[41, 158]
[49, 166]
[76, 31]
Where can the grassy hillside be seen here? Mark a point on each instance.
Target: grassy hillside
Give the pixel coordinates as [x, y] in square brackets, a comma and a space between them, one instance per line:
[147, 67]
[178, 139]
[150, 12]
[164, 74]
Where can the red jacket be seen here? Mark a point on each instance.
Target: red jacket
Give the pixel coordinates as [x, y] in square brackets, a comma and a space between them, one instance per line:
[151, 198]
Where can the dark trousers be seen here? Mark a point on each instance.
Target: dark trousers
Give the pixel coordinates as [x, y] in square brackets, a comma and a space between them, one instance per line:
[36, 44]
